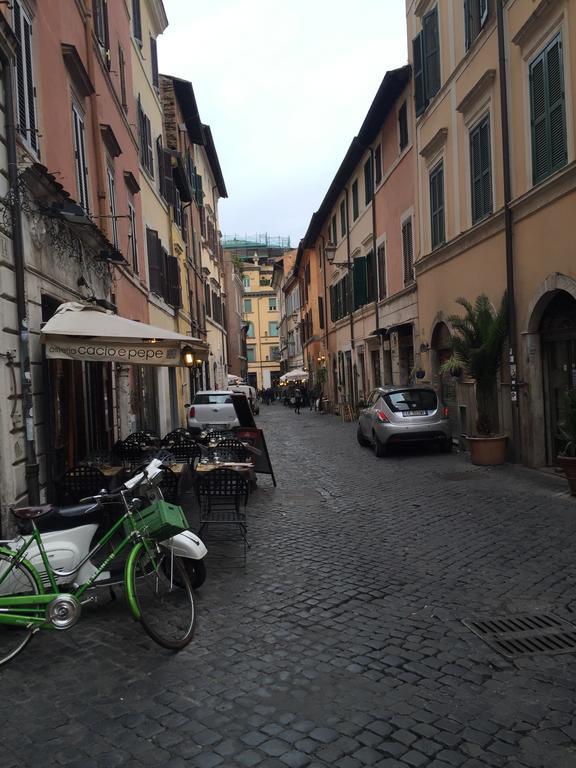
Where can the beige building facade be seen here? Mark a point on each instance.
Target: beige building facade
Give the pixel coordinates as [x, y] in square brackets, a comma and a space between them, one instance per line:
[481, 232]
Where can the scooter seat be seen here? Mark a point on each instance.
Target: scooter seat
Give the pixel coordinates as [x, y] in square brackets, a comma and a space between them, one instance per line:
[33, 513]
[50, 518]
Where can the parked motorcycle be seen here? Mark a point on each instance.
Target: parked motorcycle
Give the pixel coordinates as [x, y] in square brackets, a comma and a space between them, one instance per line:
[68, 544]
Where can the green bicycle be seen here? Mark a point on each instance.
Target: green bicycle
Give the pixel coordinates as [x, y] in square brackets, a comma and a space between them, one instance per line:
[34, 595]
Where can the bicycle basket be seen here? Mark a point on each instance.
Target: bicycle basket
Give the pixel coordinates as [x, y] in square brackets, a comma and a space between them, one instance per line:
[160, 520]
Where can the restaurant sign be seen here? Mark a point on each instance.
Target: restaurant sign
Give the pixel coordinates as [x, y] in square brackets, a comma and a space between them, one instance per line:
[113, 352]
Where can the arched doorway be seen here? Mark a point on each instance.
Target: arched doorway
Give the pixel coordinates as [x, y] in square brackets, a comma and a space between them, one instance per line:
[441, 345]
[558, 338]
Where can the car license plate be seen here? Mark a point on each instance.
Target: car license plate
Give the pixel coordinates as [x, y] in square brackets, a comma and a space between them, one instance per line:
[414, 413]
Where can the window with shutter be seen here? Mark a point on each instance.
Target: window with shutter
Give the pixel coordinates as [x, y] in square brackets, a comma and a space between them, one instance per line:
[100, 9]
[548, 112]
[367, 182]
[403, 125]
[476, 14]
[342, 217]
[431, 53]
[378, 164]
[208, 302]
[122, 75]
[321, 312]
[437, 205]
[418, 67]
[173, 285]
[137, 21]
[359, 275]
[133, 238]
[155, 270]
[154, 63]
[355, 206]
[407, 252]
[112, 205]
[371, 283]
[381, 271]
[26, 92]
[80, 157]
[481, 171]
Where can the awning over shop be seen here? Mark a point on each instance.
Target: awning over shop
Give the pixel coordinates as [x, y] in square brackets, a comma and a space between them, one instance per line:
[298, 374]
[79, 331]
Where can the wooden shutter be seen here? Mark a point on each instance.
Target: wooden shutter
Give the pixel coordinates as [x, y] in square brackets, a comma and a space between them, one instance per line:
[420, 100]
[540, 158]
[359, 274]
[382, 271]
[407, 252]
[367, 181]
[154, 267]
[371, 283]
[154, 62]
[174, 287]
[168, 176]
[480, 171]
[321, 312]
[27, 33]
[556, 108]
[149, 151]
[355, 200]
[137, 21]
[160, 163]
[431, 53]
[437, 205]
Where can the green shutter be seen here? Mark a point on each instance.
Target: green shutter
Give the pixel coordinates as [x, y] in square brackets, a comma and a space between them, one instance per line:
[547, 111]
[480, 171]
[431, 53]
[557, 119]
[359, 273]
[419, 83]
[437, 206]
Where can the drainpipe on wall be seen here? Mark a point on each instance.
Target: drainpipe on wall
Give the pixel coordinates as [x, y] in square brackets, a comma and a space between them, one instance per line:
[31, 467]
[349, 265]
[508, 225]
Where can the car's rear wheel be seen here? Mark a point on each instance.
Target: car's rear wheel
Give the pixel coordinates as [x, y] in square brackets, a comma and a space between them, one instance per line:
[379, 448]
[361, 439]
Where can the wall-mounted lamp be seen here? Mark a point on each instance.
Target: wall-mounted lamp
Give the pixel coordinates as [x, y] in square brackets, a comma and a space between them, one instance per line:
[330, 252]
[321, 359]
[424, 347]
[187, 356]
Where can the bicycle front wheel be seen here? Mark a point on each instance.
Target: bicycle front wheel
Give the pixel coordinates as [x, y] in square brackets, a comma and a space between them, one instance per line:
[15, 579]
[160, 595]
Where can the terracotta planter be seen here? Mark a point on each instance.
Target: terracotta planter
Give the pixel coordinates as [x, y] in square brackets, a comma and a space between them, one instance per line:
[488, 451]
[568, 465]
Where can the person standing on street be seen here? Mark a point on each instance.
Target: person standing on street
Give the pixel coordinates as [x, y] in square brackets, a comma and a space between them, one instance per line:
[297, 399]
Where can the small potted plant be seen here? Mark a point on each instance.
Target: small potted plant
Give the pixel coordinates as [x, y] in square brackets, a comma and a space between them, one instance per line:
[567, 458]
[477, 344]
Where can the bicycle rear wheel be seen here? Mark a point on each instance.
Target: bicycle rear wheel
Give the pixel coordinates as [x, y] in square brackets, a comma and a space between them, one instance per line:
[19, 581]
[160, 595]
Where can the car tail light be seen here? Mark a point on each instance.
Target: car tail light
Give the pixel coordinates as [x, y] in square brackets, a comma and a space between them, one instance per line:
[382, 416]
[445, 412]
[192, 412]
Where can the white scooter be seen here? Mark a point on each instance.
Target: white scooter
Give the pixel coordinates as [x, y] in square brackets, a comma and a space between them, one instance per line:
[67, 542]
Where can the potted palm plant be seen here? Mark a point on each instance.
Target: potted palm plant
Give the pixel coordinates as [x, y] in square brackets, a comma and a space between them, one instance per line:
[477, 344]
[567, 458]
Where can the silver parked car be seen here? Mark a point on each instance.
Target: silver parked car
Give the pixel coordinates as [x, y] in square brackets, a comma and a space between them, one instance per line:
[212, 408]
[395, 415]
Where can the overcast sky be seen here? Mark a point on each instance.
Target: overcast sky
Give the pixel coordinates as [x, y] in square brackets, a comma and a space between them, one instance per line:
[285, 86]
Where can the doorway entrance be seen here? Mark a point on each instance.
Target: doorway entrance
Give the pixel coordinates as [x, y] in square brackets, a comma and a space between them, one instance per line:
[558, 336]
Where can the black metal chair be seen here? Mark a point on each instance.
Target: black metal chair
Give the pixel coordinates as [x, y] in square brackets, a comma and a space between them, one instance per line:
[144, 437]
[222, 497]
[216, 434]
[169, 485]
[79, 483]
[229, 449]
[130, 455]
[182, 446]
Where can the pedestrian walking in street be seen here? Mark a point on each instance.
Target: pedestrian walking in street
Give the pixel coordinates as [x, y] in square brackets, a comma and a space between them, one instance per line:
[297, 399]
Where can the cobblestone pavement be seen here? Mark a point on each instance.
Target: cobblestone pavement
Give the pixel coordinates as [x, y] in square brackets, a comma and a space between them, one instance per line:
[341, 642]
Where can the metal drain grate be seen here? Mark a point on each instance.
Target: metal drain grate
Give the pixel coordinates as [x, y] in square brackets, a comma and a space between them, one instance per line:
[516, 636]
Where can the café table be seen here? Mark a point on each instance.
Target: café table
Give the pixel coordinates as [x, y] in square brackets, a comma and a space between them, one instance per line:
[245, 468]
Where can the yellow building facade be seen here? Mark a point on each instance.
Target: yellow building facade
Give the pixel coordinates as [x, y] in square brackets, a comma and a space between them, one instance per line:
[483, 231]
[260, 312]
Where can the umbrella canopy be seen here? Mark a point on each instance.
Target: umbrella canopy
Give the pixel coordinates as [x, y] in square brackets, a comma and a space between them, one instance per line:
[79, 331]
[298, 374]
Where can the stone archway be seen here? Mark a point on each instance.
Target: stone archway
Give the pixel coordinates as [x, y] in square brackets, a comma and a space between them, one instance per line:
[548, 349]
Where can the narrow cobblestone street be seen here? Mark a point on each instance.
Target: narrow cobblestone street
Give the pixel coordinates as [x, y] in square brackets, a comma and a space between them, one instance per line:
[341, 643]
